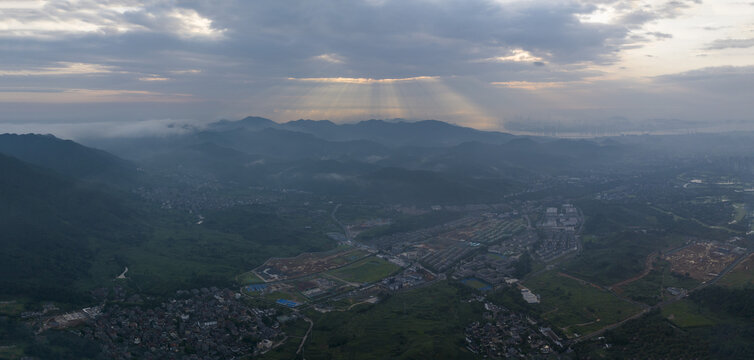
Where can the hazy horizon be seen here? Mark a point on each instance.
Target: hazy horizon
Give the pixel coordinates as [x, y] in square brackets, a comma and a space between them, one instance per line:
[518, 66]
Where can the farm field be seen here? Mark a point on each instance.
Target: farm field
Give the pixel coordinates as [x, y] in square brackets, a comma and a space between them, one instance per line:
[366, 270]
[740, 277]
[249, 278]
[476, 284]
[575, 307]
[11, 352]
[685, 313]
[11, 307]
[651, 289]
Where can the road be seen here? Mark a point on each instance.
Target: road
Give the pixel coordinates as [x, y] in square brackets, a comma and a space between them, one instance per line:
[669, 301]
[303, 341]
[345, 228]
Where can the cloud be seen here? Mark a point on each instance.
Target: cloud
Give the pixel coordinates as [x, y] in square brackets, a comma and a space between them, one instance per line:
[153, 78]
[101, 129]
[721, 44]
[363, 81]
[330, 58]
[60, 68]
[529, 85]
[203, 59]
[55, 19]
[516, 55]
[70, 96]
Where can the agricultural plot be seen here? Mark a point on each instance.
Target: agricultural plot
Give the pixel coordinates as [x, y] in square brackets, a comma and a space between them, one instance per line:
[476, 284]
[739, 213]
[652, 288]
[740, 277]
[249, 278]
[11, 307]
[366, 270]
[11, 352]
[576, 307]
[685, 313]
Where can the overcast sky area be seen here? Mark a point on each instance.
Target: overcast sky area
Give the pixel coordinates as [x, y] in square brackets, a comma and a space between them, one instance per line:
[122, 67]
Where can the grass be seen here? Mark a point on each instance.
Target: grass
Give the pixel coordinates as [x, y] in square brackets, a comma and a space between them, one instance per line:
[685, 314]
[651, 288]
[614, 258]
[576, 307]
[366, 270]
[11, 352]
[418, 324]
[249, 278]
[742, 276]
[295, 331]
[11, 307]
[740, 212]
[475, 284]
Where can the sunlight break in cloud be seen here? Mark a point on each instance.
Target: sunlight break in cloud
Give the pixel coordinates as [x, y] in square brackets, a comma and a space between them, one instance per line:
[331, 58]
[191, 24]
[63, 68]
[529, 85]
[154, 78]
[517, 55]
[363, 81]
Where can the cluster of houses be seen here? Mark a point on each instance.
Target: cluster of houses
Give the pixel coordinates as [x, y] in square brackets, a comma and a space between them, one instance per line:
[505, 334]
[201, 324]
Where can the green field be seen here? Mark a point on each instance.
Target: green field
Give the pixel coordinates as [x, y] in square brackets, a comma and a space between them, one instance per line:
[475, 284]
[11, 307]
[248, 278]
[366, 270]
[11, 352]
[685, 313]
[742, 276]
[651, 288]
[739, 212]
[418, 324]
[575, 307]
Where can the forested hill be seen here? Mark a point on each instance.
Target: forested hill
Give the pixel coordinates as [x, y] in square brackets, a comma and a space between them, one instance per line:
[67, 157]
[49, 223]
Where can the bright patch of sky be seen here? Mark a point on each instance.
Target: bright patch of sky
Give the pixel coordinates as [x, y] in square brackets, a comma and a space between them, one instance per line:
[481, 63]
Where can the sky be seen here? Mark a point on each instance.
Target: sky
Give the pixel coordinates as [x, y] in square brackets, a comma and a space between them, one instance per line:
[129, 67]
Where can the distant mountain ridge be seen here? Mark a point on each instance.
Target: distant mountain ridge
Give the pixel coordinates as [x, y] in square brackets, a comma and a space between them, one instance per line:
[425, 133]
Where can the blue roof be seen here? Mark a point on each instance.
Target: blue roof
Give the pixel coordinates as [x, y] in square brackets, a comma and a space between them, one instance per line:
[256, 287]
[288, 303]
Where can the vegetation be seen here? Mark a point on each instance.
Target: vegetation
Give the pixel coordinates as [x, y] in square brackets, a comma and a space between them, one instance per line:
[740, 277]
[577, 307]
[651, 288]
[366, 270]
[411, 223]
[686, 314]
[418, 324]
[649, 337]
